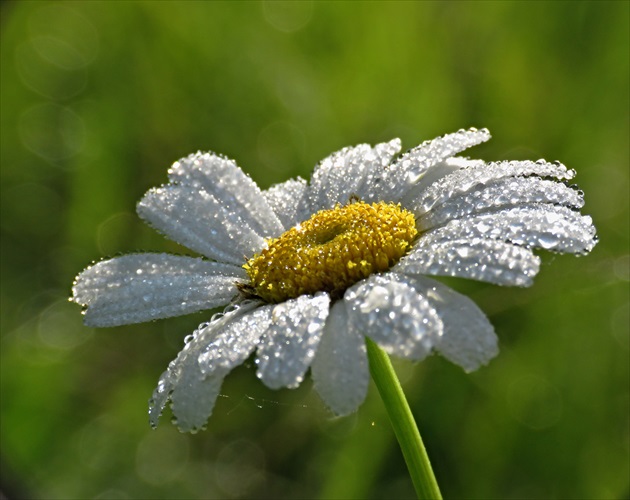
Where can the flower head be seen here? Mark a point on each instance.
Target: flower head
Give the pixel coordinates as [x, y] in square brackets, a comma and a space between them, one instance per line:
[309, 269]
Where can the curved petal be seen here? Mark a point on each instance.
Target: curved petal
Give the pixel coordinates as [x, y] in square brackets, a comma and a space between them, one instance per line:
[468, 338]
[480, 259]
[394, 315]
[340, 369]
[194, 398]
[344, 174]
[192, 217]
[193, 392]
[410, 167]
[142, 287]
[551, 227]
[232, 344]
[371, 185]
[284, 199]
[235, 191]
[288, 346]
[478, 175]
[434, 174]
[502, 193]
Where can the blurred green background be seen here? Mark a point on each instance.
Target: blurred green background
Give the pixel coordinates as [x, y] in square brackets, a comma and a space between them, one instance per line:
[99, 98]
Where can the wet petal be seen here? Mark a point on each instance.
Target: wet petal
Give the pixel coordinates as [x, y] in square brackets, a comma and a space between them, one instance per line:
[484, 260]
[143, 287]
[340, 369]
[236, 192]
[288, 346]
[411, 166]
[435, 173]
[191, 390]
[479, 175]
[344, 174]
[194, 399]
[394, 315]
[235, 341]
[162, 393]
[503, 193]
[371, 186]
[550, 227]
[284, 199]
[468, 338]
[192, 217]
[193, 395]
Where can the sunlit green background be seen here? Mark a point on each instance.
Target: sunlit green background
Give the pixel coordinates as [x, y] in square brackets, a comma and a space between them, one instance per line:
[99, 98]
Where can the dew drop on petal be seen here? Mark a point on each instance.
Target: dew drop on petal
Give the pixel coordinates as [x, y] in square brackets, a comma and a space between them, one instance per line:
[377, 298]
[548, 240]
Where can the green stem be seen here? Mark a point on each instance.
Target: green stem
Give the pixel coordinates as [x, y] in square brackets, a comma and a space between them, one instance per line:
[403, 423]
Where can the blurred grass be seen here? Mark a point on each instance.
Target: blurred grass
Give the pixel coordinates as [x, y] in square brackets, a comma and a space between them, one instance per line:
[98, 98]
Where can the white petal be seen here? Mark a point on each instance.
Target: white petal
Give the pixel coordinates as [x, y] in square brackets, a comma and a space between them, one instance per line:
[284, 198]
[370, 189]
[468, 339]
[340, 369]
[193, 401]
[227, 183]
[410, 168]
[503, 193]
[484, 260]
[193, 396]
[344, 174]
[233, 343]
[288, 346]
[545, 226]
[162, 393]
[142, 287]
[394, 315]
[192, 392]
[192, 217]
[462, 181]
[434, 174]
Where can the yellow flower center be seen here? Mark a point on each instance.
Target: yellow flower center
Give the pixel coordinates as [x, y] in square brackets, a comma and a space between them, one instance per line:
[331, 251]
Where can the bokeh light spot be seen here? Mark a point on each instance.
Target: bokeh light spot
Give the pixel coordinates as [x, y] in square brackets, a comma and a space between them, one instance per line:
[112, 234]
[621, 267]
[60, 327]
[58, 52]
[68, 27]
[46, 76]
[288, 16]
[51, 131]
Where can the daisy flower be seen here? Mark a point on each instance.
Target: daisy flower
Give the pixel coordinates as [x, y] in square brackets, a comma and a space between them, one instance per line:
[308, 270]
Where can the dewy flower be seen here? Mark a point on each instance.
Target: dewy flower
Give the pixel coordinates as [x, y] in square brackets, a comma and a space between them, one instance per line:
[309, 269]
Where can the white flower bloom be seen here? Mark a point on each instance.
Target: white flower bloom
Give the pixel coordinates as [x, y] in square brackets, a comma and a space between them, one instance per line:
[309, 269]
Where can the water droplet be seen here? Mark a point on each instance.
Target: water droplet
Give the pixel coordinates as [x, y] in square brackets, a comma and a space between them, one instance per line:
[548, 241]
[463, 252]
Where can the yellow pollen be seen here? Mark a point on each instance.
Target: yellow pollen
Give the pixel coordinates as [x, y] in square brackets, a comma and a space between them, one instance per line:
[331, 251]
